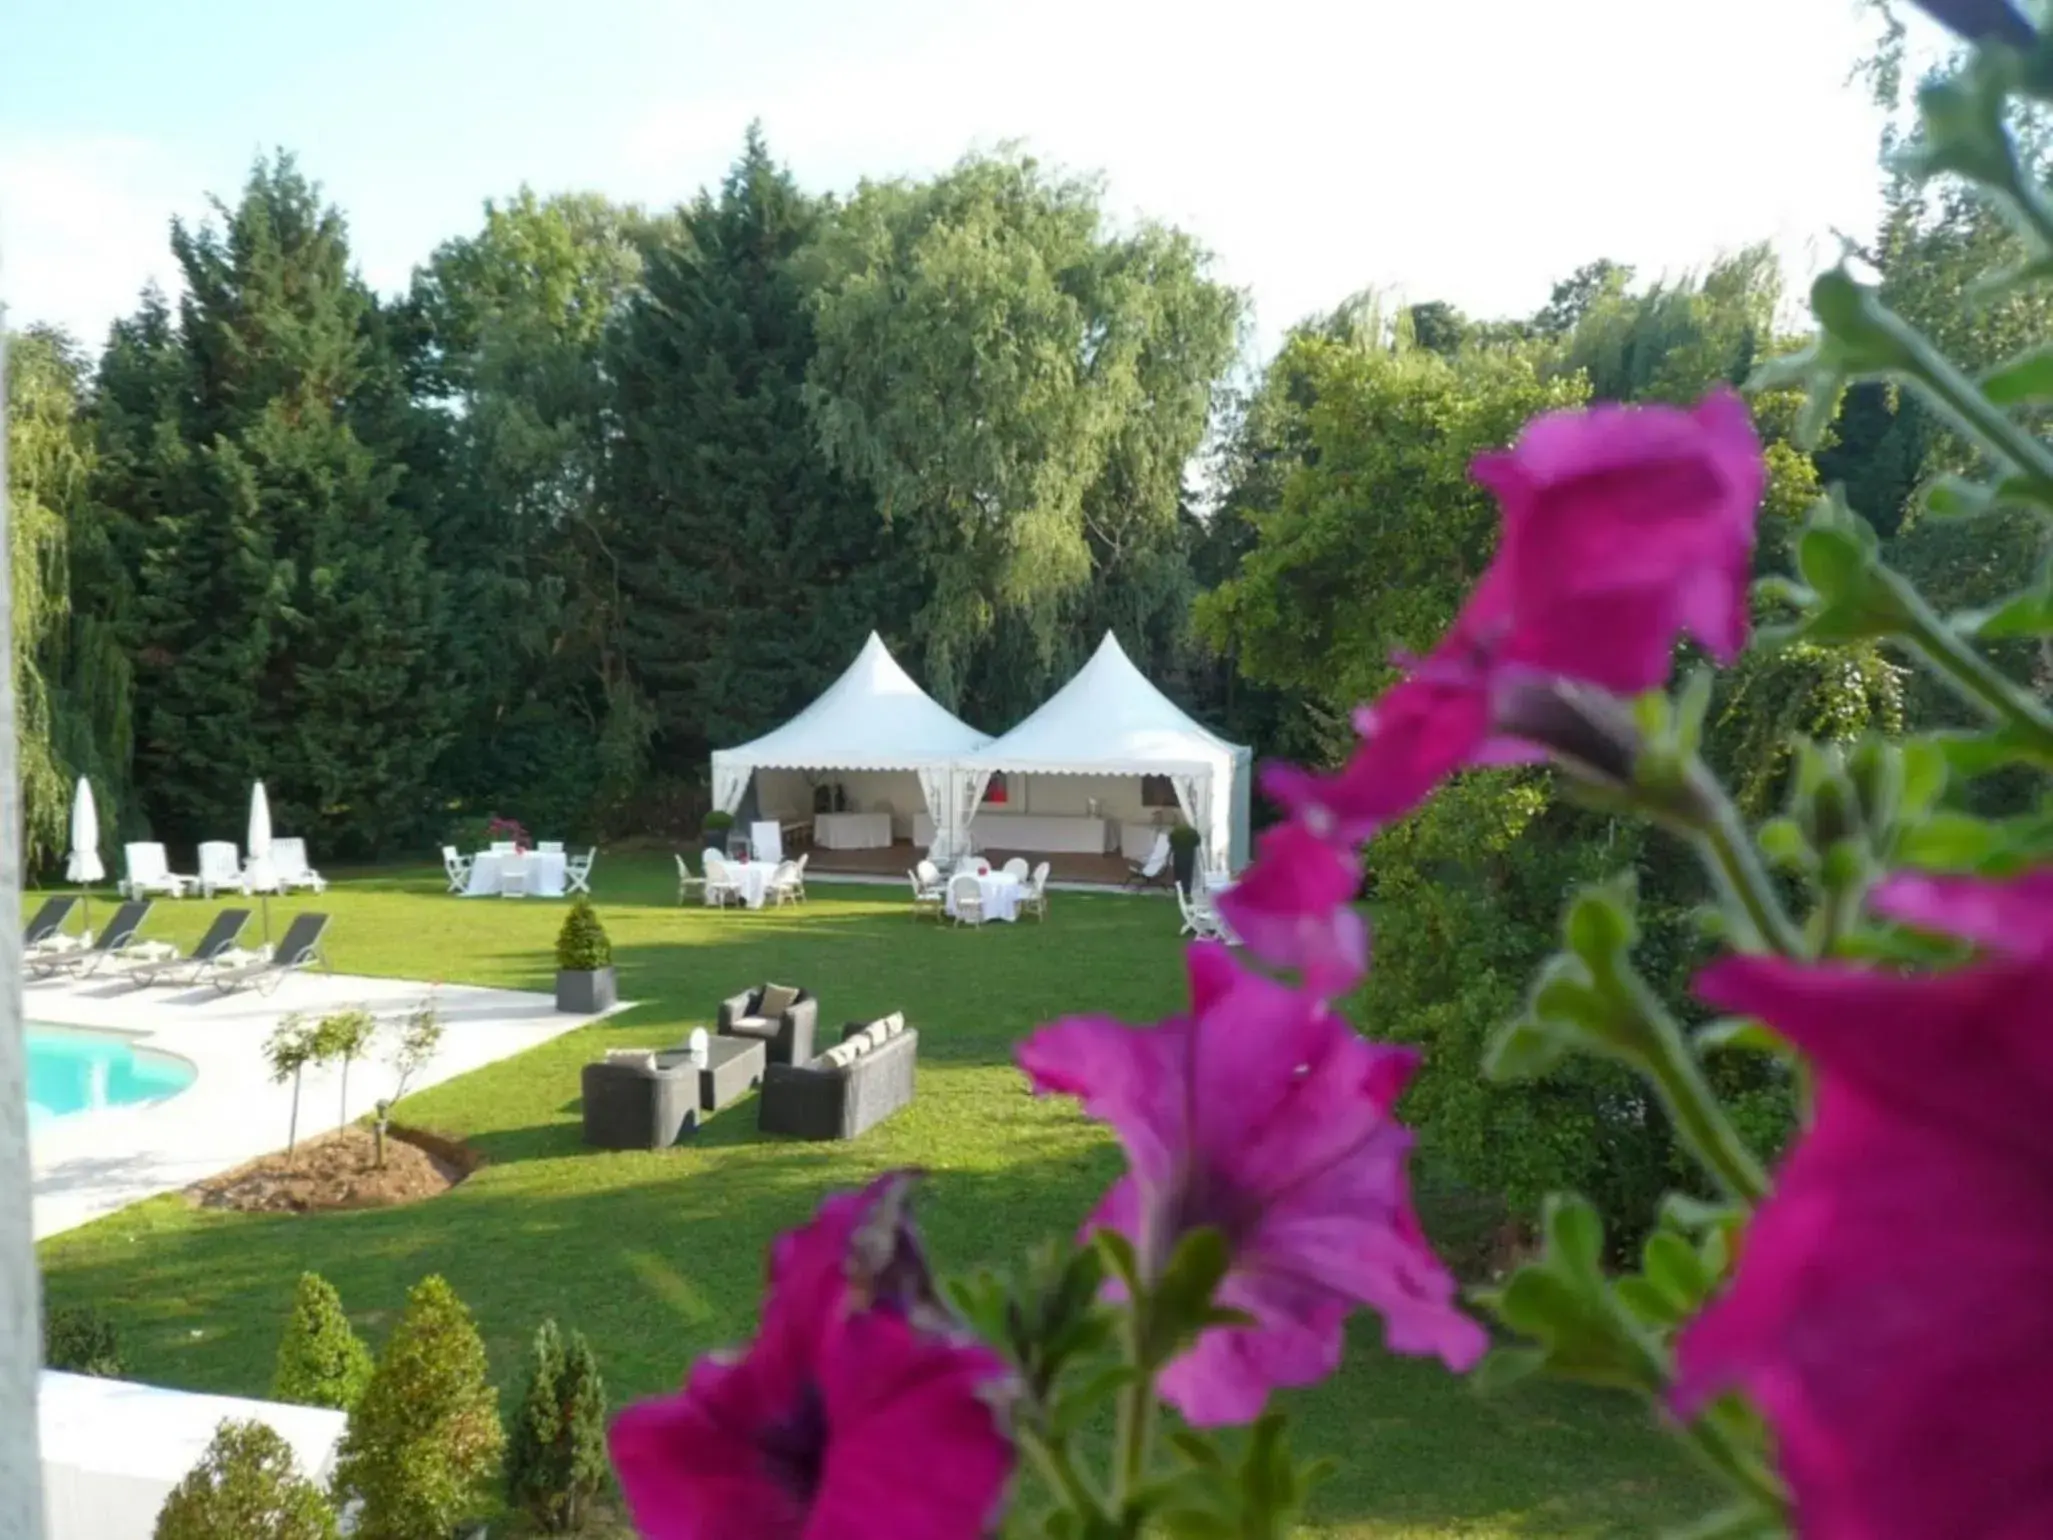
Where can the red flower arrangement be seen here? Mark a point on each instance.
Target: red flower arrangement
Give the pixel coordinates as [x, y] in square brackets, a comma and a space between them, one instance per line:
[497, 828]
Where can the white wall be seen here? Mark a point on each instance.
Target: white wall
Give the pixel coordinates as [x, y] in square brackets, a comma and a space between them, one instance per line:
[788, 794]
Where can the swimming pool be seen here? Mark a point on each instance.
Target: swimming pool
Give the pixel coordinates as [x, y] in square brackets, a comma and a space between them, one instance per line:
[78, 1071]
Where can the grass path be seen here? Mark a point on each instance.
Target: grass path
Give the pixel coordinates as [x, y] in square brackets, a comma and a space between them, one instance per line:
[658, 1257]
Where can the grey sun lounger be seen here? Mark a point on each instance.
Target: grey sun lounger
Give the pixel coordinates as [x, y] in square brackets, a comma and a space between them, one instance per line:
[49, 921]
[300, 949]
[117, 940]
[216, 947]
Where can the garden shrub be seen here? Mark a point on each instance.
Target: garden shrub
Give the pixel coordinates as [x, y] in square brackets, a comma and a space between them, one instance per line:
[556, 1455]
[322, 1361]
[80, 1340]
[582, 945]
[425, 1436]
[246, 1487]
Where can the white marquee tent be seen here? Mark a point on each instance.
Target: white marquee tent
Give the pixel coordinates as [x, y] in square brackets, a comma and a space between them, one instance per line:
[872, 721]
[1109, 722]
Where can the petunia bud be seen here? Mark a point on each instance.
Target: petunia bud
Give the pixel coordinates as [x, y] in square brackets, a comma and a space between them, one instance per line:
[1588, 732]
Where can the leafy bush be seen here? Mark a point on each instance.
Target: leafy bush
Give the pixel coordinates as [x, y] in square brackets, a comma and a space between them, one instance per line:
[556, 1458]
[322, 1361]
[426, 1434]
[582, 944]
[80, 1340]
[246, 1487]
[716, 826]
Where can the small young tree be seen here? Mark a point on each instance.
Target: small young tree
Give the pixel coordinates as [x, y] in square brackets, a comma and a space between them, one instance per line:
[322, 1361]
[420, 1036]
[246, 1487]
[556, 1459]
[345, 1036]
[426, 1434]
[293, 1044]
[80, 1340]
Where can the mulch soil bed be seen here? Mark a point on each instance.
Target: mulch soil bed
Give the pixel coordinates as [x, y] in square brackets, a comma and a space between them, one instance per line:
[340, 1171]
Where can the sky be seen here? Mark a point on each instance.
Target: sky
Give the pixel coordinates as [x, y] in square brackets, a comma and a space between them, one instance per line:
[1467, 150]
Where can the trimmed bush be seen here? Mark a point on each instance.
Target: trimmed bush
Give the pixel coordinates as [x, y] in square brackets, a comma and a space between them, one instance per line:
[322, 1361]
[583, 945]
[246, 1487]
[80, 1340]
[425, 1436]
[716, 825]
[556, 1456]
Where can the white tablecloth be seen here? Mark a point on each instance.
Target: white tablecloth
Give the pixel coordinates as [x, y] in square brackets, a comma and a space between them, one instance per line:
[544, 870]
[1041, 832]
[1001, 893]
[851, 831]
[752, 879]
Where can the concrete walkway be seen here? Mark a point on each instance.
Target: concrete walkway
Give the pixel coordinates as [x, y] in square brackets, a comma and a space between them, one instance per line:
[89, 1164]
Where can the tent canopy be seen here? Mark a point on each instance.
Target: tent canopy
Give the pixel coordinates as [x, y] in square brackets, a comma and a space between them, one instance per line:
[1109, 720]
[872, 718]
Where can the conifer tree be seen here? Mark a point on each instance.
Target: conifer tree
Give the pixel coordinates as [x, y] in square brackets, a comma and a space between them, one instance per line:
[556, 1457]
[246, 1487]
[322, 1361]
[426, 1434]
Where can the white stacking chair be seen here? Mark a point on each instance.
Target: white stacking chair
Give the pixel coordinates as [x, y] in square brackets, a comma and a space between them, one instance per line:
[149, 871]
[577, 872]
[1036, 895]
[289, 863]
[721, 888]
[925, 899]
[550, 847]
[1016, 869]
[784, 883]
[513, 876]
[687, 880]
[966, 895]
[221, 868]
[458, 867]
[1199, 919]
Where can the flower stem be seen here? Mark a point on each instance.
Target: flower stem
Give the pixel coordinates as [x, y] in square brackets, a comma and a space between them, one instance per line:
[1973, 677]
[1716, 1446]
[1134, 1440]
[1700, 1120]
[1728, 851]
[1056, 1468]
[1941, 382]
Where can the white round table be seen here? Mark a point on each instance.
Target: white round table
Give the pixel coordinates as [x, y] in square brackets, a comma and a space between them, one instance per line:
[1000, 891]
[752, 880]
[544, 873]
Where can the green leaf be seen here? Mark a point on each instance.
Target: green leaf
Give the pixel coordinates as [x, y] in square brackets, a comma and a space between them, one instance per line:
[1952, 842]
[1649, 1304]
[1526, 1050]
[1693, 1216]
[1924, 775]
[1075, 1404]
[1181, 1304]
[1782, 842]
[1671, 1265]
[2022, 615]
[1599, 925]
[1574, 1233]
[1120, 1257]
[1196, 1448]
[2020, 380]
[1504, 1367]
[1743, 1523]
[1739, 1032]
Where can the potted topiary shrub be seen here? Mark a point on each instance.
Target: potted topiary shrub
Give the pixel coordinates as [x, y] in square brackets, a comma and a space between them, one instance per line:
[1183, 854]
[714, 829]
[584, 963]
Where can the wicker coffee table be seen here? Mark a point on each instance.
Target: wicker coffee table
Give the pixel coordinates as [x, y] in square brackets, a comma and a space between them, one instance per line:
[733, 1068]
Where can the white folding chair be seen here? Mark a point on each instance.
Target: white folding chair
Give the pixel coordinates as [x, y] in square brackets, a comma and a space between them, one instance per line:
[513, 876]
[721, 888]
[551, 847]
[687, 880]
[1016, 869]
[1198, 920]
[577, 871]
[966, 898]
[458, 867]
[221, 868]
[784, 885]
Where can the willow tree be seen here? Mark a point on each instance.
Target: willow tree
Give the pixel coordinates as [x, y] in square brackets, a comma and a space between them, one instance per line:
[1021, 386]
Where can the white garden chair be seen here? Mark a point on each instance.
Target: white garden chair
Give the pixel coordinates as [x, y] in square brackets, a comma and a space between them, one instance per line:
[1145, 873]
[1199, 918]
[289, 863]
[687, 879]
[927, 875]
[513, 876]
[721, 888]
[1016, 869]
[551, 847]
[785, 886]
[798, 874]
[1035, 898]
[577, 872]
[149, 871]
[966, 898]
[925, 899]
[458, 866]
[221, 868]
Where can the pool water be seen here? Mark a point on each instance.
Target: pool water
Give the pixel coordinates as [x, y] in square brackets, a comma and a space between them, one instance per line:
[74, 1071]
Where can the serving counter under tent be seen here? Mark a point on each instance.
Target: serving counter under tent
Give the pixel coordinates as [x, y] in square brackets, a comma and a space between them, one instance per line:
[1079, 772]
[887, 744]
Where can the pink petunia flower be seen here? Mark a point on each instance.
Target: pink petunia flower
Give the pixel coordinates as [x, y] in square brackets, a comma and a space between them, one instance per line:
[1293, 907]
[1889, 1311]
[1262, 1114]
[851, 1415]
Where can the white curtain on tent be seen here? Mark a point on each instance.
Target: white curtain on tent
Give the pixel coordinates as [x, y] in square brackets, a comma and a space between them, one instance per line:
[1194, 798]
[969, 790]
[730, 785]
[934, 789]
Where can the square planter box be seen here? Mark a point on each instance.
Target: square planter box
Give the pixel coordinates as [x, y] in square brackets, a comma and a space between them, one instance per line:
[585, 991]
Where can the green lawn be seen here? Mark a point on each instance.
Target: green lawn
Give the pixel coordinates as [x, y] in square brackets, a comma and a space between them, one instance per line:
[658, 1257]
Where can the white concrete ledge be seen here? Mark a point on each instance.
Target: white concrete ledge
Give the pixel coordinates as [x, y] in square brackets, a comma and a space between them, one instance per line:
[89, 1164]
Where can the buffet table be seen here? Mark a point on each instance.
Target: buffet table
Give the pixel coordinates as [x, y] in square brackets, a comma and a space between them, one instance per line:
[852, 831]
[1042, 832]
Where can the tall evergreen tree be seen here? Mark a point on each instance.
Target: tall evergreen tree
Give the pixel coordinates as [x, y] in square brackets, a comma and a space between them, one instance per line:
[286, 613]
[745, 563]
